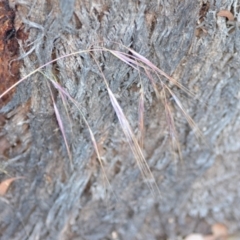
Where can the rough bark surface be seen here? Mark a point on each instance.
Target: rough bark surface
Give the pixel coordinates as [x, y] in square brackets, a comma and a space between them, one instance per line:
[188, 41]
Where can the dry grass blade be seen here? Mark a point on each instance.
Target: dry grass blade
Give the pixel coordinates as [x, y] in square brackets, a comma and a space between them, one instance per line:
[150, 77]
[188, 118]
[150, 67]
[65, 93]
[124, 58]
[133, 143]
[66, 107]
[65, 103]
[39, 70]
[141, 112]
[60, 122]
[141, 116]
[169, 117]
[94, 143]
[171, 125]
[136, 58]
[156, 69]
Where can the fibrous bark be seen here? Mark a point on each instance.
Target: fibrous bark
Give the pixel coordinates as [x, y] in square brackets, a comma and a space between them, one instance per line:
[187, 40]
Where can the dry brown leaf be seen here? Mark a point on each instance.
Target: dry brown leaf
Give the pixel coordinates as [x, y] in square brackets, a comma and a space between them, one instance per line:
[4, 185]
[219, 230]
[227, 14]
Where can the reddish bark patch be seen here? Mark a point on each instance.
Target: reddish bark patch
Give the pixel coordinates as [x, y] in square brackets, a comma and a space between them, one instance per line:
[9, 71]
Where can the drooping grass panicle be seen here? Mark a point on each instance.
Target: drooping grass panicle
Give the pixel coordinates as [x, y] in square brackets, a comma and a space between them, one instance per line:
[65, 94]
[152, 81]
[191, 122]
[124, 58]
[139, 63]
[62, 129]
[132, 141]
[141, 116]
[64, 101]
[140, 58]
[149, 68]
[156, 69]
[59, 120]
[76, 104]
[171, 124]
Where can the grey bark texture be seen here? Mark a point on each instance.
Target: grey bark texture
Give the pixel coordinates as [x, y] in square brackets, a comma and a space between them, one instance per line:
[57, 201]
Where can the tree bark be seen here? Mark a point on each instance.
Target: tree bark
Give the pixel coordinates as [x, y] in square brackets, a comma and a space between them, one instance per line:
[58, 199]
